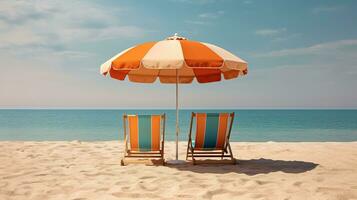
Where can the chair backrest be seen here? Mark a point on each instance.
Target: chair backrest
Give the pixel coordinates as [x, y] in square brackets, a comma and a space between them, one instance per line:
[145, 132]
[212, 130]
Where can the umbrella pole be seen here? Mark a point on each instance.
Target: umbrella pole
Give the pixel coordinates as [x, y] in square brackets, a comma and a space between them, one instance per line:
[177, 114]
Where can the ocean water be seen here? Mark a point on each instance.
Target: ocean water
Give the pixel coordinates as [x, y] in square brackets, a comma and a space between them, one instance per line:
[249, 125]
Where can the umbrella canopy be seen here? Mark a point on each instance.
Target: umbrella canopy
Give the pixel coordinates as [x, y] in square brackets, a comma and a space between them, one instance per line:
[165, 59]
[175, 60]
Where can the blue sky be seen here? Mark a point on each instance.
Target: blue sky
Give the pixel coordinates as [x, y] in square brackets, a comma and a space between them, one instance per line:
[301, 54]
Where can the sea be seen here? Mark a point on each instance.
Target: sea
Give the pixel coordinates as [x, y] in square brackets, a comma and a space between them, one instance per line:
[256, 125]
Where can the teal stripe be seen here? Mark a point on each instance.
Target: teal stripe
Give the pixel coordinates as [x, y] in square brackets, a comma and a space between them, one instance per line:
[145, 132]
[211, 130]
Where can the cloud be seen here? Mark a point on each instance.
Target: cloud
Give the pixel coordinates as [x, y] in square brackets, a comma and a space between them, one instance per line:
[327, 48]
[74, 54]
[321, 84]
[247, 2]
[18, 12]
[270, 32]
[323, 9]
[320, 75]
[57, 25]
[213, 15]
[286, 37]
[206, 18]
[196, 1]
[197, 22]
[277, 35]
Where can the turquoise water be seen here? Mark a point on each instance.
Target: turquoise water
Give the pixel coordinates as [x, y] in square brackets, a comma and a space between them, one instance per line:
[249, 125]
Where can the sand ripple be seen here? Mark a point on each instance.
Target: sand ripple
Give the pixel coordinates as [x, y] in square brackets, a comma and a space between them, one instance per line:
[91, 170]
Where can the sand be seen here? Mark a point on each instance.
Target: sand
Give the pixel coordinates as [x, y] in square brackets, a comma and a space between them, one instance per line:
[91, 170]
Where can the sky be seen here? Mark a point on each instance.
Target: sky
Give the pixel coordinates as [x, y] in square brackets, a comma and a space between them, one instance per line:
[301, 54]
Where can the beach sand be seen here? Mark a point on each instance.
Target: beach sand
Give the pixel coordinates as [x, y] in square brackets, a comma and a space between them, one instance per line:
[91, 170]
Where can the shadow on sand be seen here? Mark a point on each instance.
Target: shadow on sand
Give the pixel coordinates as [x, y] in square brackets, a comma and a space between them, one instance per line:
[251, 167]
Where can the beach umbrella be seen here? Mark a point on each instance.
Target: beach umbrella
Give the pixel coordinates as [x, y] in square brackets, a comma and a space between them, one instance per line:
[175, 60]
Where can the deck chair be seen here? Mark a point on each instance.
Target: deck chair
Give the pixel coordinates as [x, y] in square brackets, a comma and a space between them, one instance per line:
[145, 139]
[212, 132]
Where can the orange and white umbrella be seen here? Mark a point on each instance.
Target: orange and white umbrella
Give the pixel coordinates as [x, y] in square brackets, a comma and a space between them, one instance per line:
[175, 60]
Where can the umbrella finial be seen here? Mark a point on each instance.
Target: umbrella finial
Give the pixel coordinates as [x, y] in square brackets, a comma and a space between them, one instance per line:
[176, 37]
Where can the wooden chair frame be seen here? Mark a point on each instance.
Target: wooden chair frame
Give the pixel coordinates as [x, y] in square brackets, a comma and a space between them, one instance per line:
[225, 152]
[154, 157]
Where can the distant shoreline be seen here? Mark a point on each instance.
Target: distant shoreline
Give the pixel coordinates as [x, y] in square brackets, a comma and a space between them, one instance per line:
[184, 109]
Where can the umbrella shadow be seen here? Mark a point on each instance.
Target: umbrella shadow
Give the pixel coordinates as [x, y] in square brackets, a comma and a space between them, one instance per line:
[251, 167]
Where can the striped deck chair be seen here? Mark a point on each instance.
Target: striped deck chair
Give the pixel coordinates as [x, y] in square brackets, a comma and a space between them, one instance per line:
[145, 140]
[212, 132]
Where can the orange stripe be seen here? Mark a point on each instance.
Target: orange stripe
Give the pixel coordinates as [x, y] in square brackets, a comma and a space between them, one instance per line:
[134, 133]
[132, 58]
[155, 132]
[118, 74]
[222, 130]
[198, 55]
[230, 74]
[207, 75]
[200, 130]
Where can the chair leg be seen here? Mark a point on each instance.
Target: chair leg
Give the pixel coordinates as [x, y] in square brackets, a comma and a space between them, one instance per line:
[188, 148]
[162, 158]
[192, 156]
[193, 159]
[231, 154]
[126, 152]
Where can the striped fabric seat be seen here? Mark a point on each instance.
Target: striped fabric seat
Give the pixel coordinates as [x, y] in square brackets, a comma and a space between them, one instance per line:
[211, 131]
[209, 138]
[144, 132]
[144, 137]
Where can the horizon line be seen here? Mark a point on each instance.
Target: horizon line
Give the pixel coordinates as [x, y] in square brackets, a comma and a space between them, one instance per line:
[183, 108]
